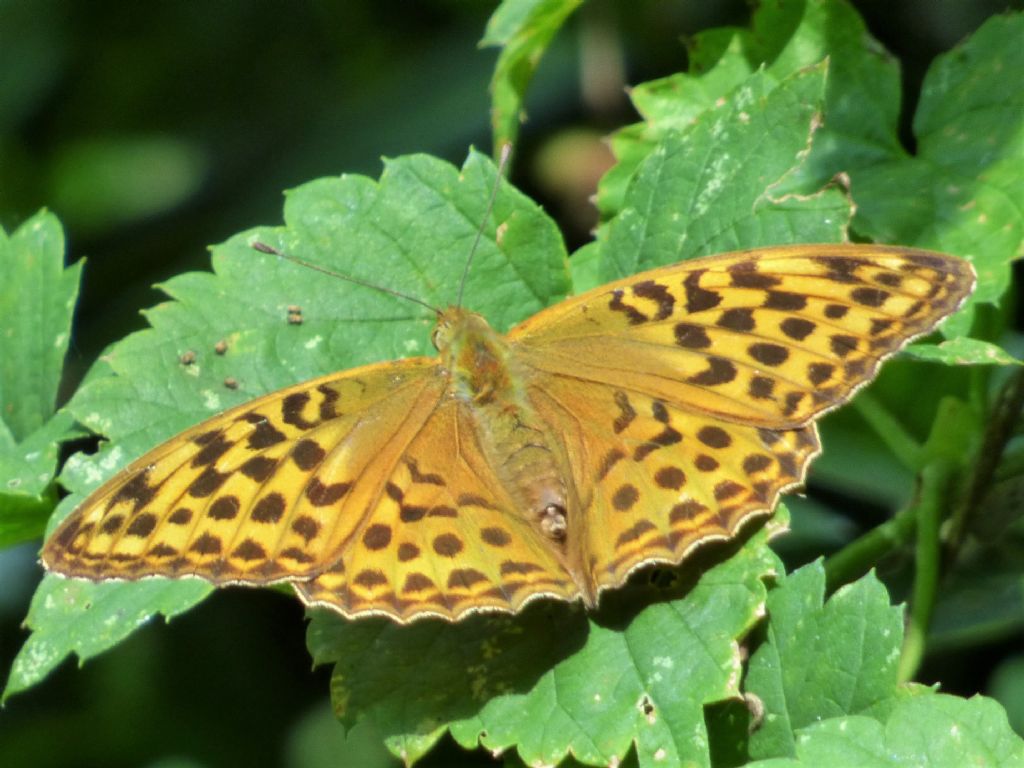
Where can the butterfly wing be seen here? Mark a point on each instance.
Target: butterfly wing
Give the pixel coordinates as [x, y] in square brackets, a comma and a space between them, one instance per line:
[366, 490]
[251, 495]
[444, 537]
[769, 337]
[685, 396]
[656, 480]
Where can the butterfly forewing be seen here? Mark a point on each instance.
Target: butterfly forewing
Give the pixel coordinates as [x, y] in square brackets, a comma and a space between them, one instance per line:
[770, 337]
[251, 495]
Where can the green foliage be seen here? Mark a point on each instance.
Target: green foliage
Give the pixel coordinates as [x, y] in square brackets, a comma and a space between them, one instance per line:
[967, 171]
[72, 616]
[144, 394]
[37, 297]
[822, 660]
[861, 100]
[744, 149]
[711, 187]
[826, 675]
[554, 681]
[523, 30]
[938, 730]
[967, 167]
[962, 351]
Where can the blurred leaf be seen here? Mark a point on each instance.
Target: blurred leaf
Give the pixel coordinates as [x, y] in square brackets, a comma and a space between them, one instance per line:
[821, 660]
[816, 529]
[522, 29]
[982, 603]
[100, 183]
[961, 351]
[318, 740]
[554, 680]
[141, 393]
[32, 52]
[1007, 686]
[710, 188]
[880, 479]
[177, 762]
[1003, 502]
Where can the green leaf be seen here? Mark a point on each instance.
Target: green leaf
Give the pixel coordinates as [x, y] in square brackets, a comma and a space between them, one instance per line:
[412, 231]
[318, 740]
[73, 616]
[859, 110]
[931, 731]
[821, 660]
[37, 299]
[961, 351]
[961, 192]
[862, 100]
[585, 266]
[28, 496]
[522, 29]
[554, 680]
[880, 478]
[711, 187]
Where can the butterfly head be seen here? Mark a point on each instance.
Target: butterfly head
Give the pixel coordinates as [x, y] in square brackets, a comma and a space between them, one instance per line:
[472, 352]
[456, 327]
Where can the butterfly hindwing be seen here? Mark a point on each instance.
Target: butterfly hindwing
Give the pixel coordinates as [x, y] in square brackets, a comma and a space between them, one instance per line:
[439, 536]
[656, 480]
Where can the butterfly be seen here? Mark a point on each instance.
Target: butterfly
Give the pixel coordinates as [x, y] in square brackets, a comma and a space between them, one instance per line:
[621, 427]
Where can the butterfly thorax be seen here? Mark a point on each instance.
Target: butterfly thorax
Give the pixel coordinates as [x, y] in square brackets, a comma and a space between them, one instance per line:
[475, 355]
[512, 436]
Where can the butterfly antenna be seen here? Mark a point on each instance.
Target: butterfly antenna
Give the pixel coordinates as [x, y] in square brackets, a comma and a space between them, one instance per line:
[264, 248]
[506, 152]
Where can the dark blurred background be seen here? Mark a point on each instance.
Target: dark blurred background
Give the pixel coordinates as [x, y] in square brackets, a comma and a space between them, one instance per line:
[155, 129]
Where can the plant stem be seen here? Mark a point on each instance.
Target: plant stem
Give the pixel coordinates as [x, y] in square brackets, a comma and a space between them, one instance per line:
[889, 428]
[863, 553]
[935, 483]
[1005, 416]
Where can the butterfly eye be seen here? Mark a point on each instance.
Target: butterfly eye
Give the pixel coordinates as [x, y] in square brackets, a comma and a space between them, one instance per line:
[442, 334]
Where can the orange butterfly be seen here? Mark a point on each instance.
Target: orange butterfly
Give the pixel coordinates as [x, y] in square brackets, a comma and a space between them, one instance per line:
[621, 427]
